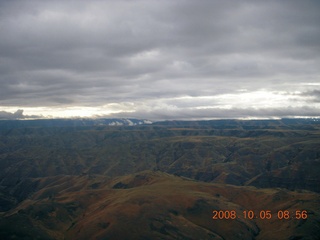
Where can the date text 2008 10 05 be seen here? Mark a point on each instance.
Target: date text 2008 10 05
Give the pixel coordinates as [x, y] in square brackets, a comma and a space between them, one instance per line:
[262, 214]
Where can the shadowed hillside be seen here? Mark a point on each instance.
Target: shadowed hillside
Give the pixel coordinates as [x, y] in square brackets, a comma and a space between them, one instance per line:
[159, 181]
[155, 205]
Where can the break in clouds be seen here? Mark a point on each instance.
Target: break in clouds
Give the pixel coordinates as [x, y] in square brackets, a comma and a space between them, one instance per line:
[160, 59]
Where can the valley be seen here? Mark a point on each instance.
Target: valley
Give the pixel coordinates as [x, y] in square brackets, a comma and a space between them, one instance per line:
[159, 181]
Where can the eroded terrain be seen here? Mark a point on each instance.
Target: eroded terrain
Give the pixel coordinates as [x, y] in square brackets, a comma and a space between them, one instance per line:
[160, 181]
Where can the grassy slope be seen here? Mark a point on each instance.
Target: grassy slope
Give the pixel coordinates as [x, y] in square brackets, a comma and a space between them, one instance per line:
[257, 157]
[74, 182]
[155, 205]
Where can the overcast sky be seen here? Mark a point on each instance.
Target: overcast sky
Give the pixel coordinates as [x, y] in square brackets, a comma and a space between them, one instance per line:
[159, 60]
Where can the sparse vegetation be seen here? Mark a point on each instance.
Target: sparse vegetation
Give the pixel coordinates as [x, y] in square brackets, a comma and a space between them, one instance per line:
[159, 181]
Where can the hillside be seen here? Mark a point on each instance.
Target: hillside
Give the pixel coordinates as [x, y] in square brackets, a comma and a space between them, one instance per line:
[160, 180]
[155, 205]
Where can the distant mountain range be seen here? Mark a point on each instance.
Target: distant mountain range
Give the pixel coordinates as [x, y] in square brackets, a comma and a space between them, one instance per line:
[223, 123]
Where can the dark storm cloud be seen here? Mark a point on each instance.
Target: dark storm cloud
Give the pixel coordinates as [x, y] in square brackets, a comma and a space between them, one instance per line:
[92, 53]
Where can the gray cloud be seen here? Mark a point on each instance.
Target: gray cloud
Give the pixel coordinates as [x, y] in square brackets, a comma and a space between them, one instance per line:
[94, 53]
[313, 94]
[7, 115]
[217, 113]
[16, 115]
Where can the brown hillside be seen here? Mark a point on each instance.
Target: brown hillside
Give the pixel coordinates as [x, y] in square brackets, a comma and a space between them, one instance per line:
[155, 205]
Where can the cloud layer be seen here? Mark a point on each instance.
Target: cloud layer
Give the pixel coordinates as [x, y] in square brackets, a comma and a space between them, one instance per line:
[161, 59]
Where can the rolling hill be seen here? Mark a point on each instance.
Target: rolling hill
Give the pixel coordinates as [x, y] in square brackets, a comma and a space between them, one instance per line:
[160, 180]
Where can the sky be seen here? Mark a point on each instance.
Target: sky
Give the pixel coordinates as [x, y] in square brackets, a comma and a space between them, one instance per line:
[159, 60]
